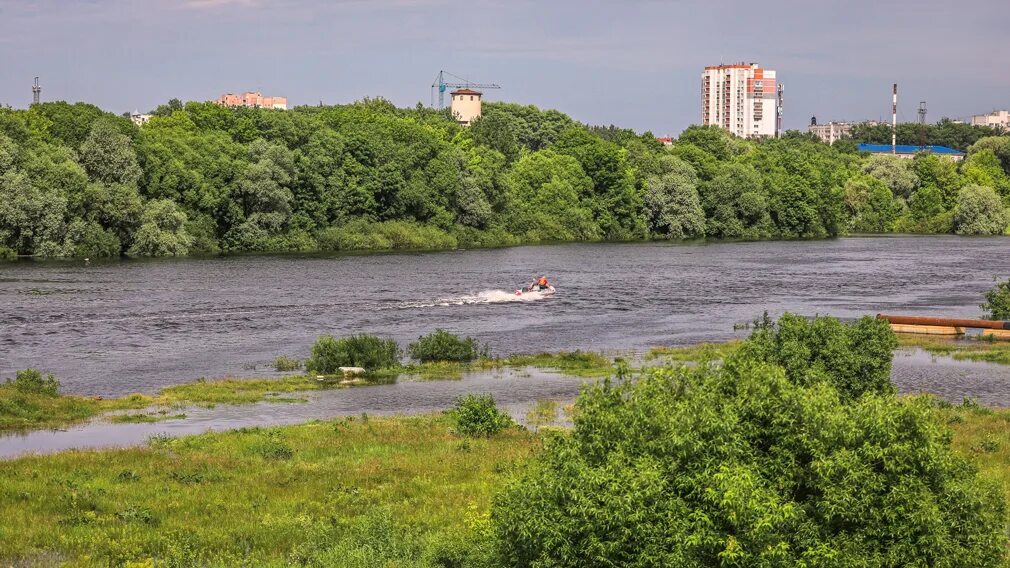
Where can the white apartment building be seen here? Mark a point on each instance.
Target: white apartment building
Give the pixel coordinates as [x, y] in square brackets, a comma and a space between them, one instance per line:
[742, 98]
[998, 119]
[831, 131]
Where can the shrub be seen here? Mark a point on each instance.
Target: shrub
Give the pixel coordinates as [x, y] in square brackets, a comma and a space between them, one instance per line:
[31, 381]
[477, 415]
[368, 351]
[741, 466]
[283, 364]
[855, 358]
[997, 302]
[444, 346]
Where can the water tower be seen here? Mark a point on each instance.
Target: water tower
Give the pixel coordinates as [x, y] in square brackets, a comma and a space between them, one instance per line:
[466, 105]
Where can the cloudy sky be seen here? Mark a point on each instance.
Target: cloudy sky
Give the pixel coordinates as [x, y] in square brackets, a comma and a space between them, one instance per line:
[633, 63]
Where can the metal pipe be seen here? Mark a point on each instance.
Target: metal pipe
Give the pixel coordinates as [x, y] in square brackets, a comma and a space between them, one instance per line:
[947, 322]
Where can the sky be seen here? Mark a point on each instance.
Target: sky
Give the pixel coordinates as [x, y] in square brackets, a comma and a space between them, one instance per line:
[632, 63]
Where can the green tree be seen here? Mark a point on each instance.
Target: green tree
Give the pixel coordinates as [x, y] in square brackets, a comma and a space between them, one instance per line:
[32, 218]
[162, 232]
[545, 199]
[897, 173]
[980, 211]
[997, 302]
[984, 168]
[617, 206]
[108, 156]
[872, 207]
[672, 202]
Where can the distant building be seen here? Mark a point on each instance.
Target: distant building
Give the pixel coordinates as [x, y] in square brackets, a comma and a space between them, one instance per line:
[741, 98]
[665, 140]
[998, 119]
[831, 131]
[466, 105]
[139, 119]
[908, 151]
[253, 99]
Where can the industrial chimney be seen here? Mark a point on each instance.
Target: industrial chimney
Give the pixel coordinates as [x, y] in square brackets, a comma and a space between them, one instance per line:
[894, 120]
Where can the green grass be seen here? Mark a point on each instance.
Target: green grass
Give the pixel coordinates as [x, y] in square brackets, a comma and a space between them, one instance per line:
[144, 417]
[573, 363]
[962, 349]
[699, 352]
[24, 411]
[341, 490]
[21, 411]
[983, 436]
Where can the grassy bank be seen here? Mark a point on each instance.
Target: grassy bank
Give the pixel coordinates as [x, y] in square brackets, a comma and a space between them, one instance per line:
[353, 492]
[346, 492]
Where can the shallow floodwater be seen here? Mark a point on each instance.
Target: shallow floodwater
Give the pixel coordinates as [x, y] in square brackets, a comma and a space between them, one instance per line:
[122, 326]
[515, 390]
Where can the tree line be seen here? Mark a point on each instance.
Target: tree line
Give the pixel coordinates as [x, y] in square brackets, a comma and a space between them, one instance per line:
[200, 178]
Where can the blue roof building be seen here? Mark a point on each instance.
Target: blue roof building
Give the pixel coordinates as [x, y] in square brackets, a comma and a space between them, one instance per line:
[910, 150]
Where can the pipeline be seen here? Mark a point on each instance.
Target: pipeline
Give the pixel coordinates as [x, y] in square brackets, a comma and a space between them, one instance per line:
[946, 322]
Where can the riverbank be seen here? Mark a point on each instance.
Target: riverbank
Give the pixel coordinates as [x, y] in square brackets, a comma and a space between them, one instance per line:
[356, 491]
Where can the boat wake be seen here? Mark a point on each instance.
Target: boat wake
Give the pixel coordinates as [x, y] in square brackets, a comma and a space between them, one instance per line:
[485, 297]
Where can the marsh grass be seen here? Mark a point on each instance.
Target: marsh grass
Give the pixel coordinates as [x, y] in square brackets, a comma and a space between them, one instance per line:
[144, 417]
[962, 349]
[574, 363]
[22, 410]
[699, 352]
[324, 493]
[542, 413]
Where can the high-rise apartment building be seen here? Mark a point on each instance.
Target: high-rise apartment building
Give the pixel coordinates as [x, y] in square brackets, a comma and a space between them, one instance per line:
[742, 98]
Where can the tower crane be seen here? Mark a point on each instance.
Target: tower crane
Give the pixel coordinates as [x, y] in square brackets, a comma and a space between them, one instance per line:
[441, 84]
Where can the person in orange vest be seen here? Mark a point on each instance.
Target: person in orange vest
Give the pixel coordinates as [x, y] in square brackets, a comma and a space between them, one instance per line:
[539, 284]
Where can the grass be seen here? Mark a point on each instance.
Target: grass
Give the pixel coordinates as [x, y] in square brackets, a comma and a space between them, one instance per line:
[965, 349]
[699, 352]
[144, 417]
[21, 411]
[983, 436]
[573, 363]
[368, 489]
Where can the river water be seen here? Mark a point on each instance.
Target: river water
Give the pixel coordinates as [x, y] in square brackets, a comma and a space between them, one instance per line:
[137, 325]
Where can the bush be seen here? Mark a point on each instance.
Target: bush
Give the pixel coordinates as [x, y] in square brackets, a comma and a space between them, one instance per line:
[368, 351]
[741, 466]
[855, 358]
[31, 381]
[997, 302]
[477, 415]
[284, 364]
[444, 346]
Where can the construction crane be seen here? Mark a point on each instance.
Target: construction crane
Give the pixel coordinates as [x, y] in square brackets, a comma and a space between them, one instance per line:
[442, 85]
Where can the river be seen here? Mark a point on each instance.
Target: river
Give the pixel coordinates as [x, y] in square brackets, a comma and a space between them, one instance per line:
[122, 326]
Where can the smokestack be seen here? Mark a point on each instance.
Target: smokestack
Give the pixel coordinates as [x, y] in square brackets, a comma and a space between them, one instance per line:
[894, 120]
